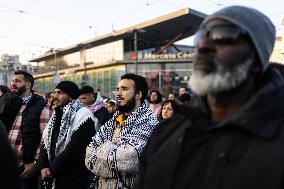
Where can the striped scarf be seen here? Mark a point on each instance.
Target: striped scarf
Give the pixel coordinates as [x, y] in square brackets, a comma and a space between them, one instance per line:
[26, 99]
[135, 133]
[74, 115]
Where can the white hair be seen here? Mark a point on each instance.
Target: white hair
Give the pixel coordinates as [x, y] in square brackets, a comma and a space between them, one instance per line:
[221, 80]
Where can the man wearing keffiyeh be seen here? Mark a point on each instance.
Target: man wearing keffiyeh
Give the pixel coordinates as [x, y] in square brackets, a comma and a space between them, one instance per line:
[113, 155]
[65, 138]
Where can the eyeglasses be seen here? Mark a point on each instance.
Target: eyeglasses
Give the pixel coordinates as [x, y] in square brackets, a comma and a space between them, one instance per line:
[221, 34]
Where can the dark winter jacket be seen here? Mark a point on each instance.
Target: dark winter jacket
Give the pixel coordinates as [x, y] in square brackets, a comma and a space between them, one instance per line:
[103, 116]
[10, 105]
[30, 127]
[9, 173]
[68, 168]
[244, 151]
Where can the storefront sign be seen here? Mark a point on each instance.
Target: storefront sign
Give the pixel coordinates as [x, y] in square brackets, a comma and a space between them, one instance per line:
[168, 56]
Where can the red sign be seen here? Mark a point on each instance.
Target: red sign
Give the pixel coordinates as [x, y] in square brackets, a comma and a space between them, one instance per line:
[132, 56]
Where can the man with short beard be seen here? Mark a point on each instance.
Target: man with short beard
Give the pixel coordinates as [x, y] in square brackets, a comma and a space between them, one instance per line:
[26, 131]
[113, 155]
[65, 138]
[232, 135]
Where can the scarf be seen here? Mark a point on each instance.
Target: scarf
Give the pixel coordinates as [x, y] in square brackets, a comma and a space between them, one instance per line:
[136, 130]
[98, 104]
[74, 115]
[26, 99]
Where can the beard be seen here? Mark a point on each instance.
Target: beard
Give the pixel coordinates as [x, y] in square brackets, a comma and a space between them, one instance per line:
[21, 90]
[220, 80]
[128, 106]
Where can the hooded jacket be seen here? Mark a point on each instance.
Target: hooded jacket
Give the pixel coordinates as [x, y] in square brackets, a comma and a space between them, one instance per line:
[246, 150]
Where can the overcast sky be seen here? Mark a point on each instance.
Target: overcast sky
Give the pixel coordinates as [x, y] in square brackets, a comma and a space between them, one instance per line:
[31, 27]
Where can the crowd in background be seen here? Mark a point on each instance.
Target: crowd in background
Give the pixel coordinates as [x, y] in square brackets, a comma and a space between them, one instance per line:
[15, 115]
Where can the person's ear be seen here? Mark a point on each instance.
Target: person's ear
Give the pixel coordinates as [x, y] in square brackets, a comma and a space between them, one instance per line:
[28, 85]
[138, 95]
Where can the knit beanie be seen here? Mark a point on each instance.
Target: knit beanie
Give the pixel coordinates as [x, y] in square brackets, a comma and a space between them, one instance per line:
[259, 27]
[69, 88]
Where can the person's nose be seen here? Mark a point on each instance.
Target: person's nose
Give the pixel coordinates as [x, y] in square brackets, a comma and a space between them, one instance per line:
[118, 92]
[204, 45]
[55, 95]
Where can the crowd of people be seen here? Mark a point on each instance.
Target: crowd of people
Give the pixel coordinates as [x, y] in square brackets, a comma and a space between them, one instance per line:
[225, 131]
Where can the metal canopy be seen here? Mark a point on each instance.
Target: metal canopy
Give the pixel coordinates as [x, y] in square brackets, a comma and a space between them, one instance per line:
[172, 27]
[153, 33]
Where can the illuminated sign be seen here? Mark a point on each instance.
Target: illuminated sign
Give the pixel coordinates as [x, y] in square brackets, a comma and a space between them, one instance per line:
[168, 56]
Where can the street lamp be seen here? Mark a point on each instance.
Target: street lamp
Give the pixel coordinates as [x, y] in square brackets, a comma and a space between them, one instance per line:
[56, 77]
[135, 50]
[84, 47]
[135, 36]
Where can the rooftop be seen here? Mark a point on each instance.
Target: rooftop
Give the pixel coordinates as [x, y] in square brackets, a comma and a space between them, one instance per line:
[155, 32]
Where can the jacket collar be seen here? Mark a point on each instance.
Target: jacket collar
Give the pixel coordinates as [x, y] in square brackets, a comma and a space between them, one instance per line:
[262, 115]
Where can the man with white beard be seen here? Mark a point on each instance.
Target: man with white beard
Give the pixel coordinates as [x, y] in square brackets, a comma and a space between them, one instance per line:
[232, 135]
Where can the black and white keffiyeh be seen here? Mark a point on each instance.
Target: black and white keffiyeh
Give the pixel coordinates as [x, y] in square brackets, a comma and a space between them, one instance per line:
[74, 115]
[116, 165]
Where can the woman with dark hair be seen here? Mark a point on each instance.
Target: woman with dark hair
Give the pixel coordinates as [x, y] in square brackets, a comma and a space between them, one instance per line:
[168, 109]
[111, 106]
[155, 99]
[52, 105]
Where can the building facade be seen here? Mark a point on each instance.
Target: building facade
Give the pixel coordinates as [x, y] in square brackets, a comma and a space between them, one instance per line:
[147, 49]
[278, 50]
[8, 65]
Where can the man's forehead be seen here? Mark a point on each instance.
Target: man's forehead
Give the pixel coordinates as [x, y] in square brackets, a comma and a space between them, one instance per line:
[126, 83]
[18, 76]
[58, 90]
[87, 94]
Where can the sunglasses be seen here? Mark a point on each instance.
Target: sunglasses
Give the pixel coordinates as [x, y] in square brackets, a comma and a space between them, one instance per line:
[221, 34]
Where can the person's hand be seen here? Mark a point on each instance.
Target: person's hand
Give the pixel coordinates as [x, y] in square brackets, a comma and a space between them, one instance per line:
[45, 173]
[28, 168]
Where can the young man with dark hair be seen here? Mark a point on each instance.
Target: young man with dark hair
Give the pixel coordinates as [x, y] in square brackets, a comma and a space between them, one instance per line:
[27, 77]
[113, 155]
[87, 95]
[95, 103]
[26, 131]
[65, 139]
[232, 135]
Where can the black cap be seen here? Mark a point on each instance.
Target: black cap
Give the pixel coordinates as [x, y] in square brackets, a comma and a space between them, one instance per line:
[69, 88]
